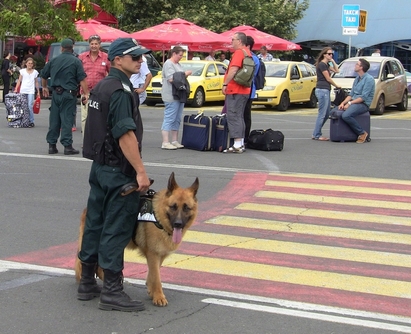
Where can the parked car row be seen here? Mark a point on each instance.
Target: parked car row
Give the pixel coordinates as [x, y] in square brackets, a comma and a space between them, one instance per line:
[290, 82]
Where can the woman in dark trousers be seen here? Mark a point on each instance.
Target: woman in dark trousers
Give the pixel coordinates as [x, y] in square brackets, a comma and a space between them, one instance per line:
[6, 73]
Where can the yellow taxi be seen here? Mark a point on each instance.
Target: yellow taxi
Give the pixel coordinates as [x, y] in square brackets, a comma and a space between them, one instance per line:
[206, 83]
[287, 82]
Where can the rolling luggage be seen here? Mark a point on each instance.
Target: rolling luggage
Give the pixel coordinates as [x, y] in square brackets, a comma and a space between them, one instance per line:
[18, 113]
[341, 132]
[222, 138]
[198, 132]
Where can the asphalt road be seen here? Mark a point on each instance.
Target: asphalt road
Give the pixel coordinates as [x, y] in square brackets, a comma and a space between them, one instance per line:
[42, 197]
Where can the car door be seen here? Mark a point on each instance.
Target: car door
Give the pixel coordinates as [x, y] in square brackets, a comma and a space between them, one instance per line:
[221, 70]
[308, 81]
[296, 84]
[388, 83]
[213, 85]
[398, 82]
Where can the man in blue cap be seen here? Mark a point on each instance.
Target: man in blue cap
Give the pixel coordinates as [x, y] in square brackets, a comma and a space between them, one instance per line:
[112, 139]
[66, 73]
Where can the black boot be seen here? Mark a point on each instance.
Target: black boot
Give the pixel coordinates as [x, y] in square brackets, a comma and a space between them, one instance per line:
[113, 297]
[88, 288]
[69, 150]
[53, 149]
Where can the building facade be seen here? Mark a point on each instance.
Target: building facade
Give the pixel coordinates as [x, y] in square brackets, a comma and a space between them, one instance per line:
[386, 29]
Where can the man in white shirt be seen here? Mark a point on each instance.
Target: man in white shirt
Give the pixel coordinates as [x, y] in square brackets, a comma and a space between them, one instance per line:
[211, 57]
[141, 80]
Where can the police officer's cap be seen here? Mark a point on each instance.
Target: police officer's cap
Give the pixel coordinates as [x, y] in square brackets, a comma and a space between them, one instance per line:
[67, 43]
[126, 46]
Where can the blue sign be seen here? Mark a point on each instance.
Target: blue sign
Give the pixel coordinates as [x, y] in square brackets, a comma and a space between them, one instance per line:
[350, 16]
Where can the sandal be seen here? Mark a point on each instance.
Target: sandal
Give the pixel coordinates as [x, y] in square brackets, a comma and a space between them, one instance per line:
[322, 138]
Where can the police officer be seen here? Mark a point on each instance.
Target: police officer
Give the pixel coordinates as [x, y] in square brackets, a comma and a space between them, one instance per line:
[66, 73]
[112, 139]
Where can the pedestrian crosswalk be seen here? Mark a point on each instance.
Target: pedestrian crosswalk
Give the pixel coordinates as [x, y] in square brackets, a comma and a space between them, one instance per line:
[329, 240]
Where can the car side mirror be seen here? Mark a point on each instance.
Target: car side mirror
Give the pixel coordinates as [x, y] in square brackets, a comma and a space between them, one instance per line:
[390, 76]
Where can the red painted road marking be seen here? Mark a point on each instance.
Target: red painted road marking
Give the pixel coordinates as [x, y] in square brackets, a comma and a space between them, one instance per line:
[242, 189]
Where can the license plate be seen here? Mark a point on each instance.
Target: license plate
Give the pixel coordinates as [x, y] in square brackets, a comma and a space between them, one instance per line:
[156, 91]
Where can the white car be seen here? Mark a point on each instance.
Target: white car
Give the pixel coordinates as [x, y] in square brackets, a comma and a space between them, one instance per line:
[390, 81]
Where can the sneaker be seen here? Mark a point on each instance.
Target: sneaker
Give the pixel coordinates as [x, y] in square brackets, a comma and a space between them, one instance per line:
[177, 144]
[31, 125]
[362, 138]
[168, 146]
[234, 149]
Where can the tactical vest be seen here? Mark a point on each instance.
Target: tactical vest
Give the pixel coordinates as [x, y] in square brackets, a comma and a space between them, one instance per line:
[99, 144]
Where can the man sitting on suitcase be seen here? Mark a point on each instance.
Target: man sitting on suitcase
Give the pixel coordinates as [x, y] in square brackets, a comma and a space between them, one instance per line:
[359, 100]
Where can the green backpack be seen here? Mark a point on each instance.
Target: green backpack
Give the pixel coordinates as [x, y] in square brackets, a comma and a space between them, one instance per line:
[245, 74]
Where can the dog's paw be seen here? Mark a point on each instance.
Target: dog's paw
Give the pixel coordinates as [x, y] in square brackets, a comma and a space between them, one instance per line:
[160, 300]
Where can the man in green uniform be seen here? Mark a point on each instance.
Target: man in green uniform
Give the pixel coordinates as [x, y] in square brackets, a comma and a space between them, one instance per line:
[66, 73]
[112, 139]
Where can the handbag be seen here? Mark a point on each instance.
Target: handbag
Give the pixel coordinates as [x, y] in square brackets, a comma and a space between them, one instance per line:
[266, 140]
[36, 105]
[340, 96]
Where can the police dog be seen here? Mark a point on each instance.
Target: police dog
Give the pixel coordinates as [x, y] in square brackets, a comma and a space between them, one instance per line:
[175, 209]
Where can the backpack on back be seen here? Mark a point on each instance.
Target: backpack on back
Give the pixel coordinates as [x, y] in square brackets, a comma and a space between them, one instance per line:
[259, 80]
[245, 74]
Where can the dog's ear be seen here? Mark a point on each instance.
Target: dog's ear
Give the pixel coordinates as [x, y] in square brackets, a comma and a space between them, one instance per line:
[194, 186]
[172, 184]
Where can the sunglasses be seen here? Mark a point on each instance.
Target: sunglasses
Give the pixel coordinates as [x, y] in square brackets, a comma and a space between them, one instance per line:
[135, 58]
[234, 39]
[94, 37]
[330, 54]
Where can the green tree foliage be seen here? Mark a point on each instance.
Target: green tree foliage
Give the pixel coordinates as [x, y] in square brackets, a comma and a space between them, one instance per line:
[277, 17]
[40, 17]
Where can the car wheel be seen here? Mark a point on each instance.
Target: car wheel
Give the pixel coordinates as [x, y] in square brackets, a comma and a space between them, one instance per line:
[380, 108]
[313, 100]
[150, 103]
[199, 98]
[403, 105]
[284, 102]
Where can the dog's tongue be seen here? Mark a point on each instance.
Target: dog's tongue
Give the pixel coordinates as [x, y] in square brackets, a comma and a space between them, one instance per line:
[177, 235]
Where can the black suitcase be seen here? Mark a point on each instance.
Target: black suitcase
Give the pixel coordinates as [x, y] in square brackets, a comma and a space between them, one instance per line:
[18, 113]
[198, 132]
[222, 139]
[266, 140]
[341, 132]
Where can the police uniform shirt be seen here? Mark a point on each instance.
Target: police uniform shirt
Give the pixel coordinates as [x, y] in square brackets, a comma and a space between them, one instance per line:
[65, 71]
[121, 107]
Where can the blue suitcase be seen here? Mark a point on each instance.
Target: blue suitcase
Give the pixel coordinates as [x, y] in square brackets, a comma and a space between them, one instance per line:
[341, 132]
[222, 139]
[198, 132]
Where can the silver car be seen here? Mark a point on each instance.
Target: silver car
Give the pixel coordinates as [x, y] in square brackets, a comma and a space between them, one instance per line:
[390, 81]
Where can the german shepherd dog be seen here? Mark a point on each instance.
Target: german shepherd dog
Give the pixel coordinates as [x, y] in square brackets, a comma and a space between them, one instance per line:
[175, 209]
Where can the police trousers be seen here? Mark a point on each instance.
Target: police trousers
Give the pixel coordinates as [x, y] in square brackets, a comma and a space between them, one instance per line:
[62, 111]
[110, 218]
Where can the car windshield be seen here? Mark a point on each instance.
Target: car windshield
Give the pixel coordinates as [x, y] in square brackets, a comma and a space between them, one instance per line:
[347, 70]
[277, 70]
[196, 68]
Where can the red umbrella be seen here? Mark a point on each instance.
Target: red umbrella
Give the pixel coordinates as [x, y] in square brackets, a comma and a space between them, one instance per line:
[261, 38]
[37, 40]
[93, 27]
[100, 15]
[179, 32]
